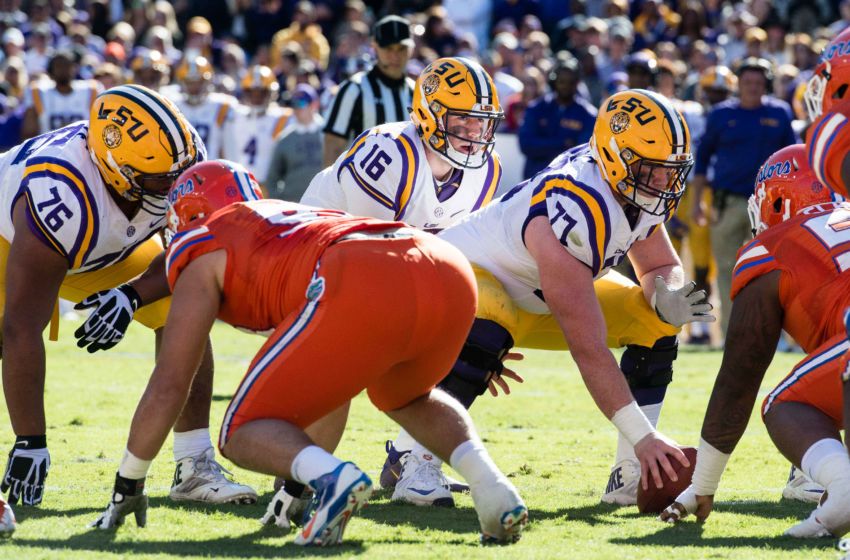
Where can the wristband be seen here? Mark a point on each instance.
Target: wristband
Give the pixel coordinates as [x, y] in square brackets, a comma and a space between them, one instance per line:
[632, 423]
[128, 487]
[710, 466]
[132, 295]
[30, 442]
[132, 467]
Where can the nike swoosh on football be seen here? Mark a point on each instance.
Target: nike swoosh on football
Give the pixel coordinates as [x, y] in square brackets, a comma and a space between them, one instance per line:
[215, 489]
[421, 492]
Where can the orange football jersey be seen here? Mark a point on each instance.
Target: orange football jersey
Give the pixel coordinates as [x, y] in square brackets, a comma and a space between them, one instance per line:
[812, 252]
[272, 250]
[828, 141]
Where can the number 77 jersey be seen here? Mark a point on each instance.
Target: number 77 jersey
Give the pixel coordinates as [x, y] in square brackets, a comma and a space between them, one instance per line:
[812, 253]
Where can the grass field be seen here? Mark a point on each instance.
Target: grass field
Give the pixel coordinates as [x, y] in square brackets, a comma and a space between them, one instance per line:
[549, 436]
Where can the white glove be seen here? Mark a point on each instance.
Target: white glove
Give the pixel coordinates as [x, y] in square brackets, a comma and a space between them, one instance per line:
[113, 311]
[26, 471]
[687, 500]
[128, 497]
[681, 306]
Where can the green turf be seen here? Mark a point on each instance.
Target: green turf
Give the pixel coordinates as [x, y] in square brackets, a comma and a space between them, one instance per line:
[549, 436]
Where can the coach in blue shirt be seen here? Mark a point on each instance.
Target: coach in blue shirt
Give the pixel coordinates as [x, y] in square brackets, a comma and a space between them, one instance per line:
[740, 134]
[557, 121]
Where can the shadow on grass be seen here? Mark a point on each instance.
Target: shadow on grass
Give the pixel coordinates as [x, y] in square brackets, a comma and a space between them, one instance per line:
[238, 546]
[690, 534]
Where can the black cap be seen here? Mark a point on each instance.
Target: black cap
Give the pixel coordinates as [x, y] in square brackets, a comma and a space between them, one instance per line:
[392, 30]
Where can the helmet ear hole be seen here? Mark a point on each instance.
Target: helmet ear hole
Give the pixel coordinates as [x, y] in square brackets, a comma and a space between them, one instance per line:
[777, 204]
[839, 93]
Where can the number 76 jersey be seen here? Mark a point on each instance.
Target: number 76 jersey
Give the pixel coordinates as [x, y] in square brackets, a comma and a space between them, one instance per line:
[812, 253]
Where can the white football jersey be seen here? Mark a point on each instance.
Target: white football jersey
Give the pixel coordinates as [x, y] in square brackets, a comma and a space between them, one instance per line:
[385, 174]
[68, 205]
[250, 138]
[55, 109]
[586, 216]
[210, 118]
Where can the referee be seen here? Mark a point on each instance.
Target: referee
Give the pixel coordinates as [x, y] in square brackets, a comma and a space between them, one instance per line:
[381, 95]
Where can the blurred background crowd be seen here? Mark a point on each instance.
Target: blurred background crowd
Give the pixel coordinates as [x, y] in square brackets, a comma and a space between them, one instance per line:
[553, 63]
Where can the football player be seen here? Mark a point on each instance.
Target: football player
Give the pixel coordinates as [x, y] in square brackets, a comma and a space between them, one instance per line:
[149, 68]
[543, 253]
[65, 100]
[430, 172]
[302, 273]
[208, 111]
[82, 207]
[791, 276]
[257, 123]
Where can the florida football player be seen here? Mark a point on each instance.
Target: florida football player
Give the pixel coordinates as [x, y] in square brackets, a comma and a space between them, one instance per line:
[430, 172]
[543, 254]
[792, 276]
[256, 124]
[81, 211]
[57, 104]
[208, 111]
[302, 273]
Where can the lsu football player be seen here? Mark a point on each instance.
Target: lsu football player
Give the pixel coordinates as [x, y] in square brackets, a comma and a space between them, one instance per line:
[259, 121]
[150, 68]
[792, 276]
[302, 273]
[82, 209]
[543, 254]
[208, 111]
[52, 105]
[430, 172]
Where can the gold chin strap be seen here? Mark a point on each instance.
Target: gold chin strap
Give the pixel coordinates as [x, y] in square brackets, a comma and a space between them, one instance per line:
[53, 336]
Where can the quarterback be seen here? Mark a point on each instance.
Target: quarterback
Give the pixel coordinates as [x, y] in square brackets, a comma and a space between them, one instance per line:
[543, 253]
[429, 172]
[302, 273]
[82, 209]
[792, 277]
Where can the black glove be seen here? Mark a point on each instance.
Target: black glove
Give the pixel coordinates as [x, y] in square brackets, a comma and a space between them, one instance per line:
[128, 497]
[26, 470]
[108, 322]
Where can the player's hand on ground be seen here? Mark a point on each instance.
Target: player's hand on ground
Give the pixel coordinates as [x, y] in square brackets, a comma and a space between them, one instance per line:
[497, 381]
[681, 306]
[26, 471]
[128, 497]
[655, 452]
[108, 321]
[688, 503]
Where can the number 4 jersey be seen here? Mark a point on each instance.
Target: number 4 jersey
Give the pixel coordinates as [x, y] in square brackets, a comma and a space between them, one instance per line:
[812, 252]
[385, 174]
[68, 205]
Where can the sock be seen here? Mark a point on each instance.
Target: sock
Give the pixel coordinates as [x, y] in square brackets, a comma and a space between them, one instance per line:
[826, 461]
[311, 463]
[404, 441]
[625, 450]
[474, 464]
[425, 455]
[191, 443]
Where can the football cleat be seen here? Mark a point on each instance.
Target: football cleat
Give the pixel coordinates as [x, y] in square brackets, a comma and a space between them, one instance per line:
[501, 512]
[391, 471]
[422, 483]
[339, 494]
[830, 519]
[802, 488]
[285, 510]
[623, 483]
[202, 479]
[7, 520]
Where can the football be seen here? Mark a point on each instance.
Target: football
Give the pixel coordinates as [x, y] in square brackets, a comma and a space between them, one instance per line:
[654, 500]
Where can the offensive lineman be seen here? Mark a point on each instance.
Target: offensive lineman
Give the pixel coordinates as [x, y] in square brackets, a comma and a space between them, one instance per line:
[82, 207]
[302, 273]
[792, 276]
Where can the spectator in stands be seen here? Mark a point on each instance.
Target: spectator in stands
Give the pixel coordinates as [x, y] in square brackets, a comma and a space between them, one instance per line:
[297, 156]
[305, 32]
[642, 69]
[471, 16]
[506, 85]
[533, 86]
[740, 134]
[557, 121]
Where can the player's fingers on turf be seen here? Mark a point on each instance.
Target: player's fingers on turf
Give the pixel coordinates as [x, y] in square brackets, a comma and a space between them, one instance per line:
[506, 389]
[511, 374]
[515, 356]
[492, 388]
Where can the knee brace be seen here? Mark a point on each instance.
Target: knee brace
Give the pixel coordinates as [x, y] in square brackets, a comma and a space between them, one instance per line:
[480, 357]
[650, 370]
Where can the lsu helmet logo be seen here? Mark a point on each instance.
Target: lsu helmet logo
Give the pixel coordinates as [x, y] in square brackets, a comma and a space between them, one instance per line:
[620, 122]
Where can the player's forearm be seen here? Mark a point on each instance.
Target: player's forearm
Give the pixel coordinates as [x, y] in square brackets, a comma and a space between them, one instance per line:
[730, 407]
[334, 146]
[23, 378]
[152, 285]
[157, 413]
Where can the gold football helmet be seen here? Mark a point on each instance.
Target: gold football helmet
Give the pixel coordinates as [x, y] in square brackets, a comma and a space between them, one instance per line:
[195, 78]
[456, 87]
[140, 142]
[150, 69]
[642, 146]
[259, 87]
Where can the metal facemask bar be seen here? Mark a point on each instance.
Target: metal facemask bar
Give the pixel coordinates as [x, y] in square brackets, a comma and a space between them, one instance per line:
[487, 143]
[666, 200]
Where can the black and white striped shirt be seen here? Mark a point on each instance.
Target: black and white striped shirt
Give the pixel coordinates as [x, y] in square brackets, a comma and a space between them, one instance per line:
[368, 99]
